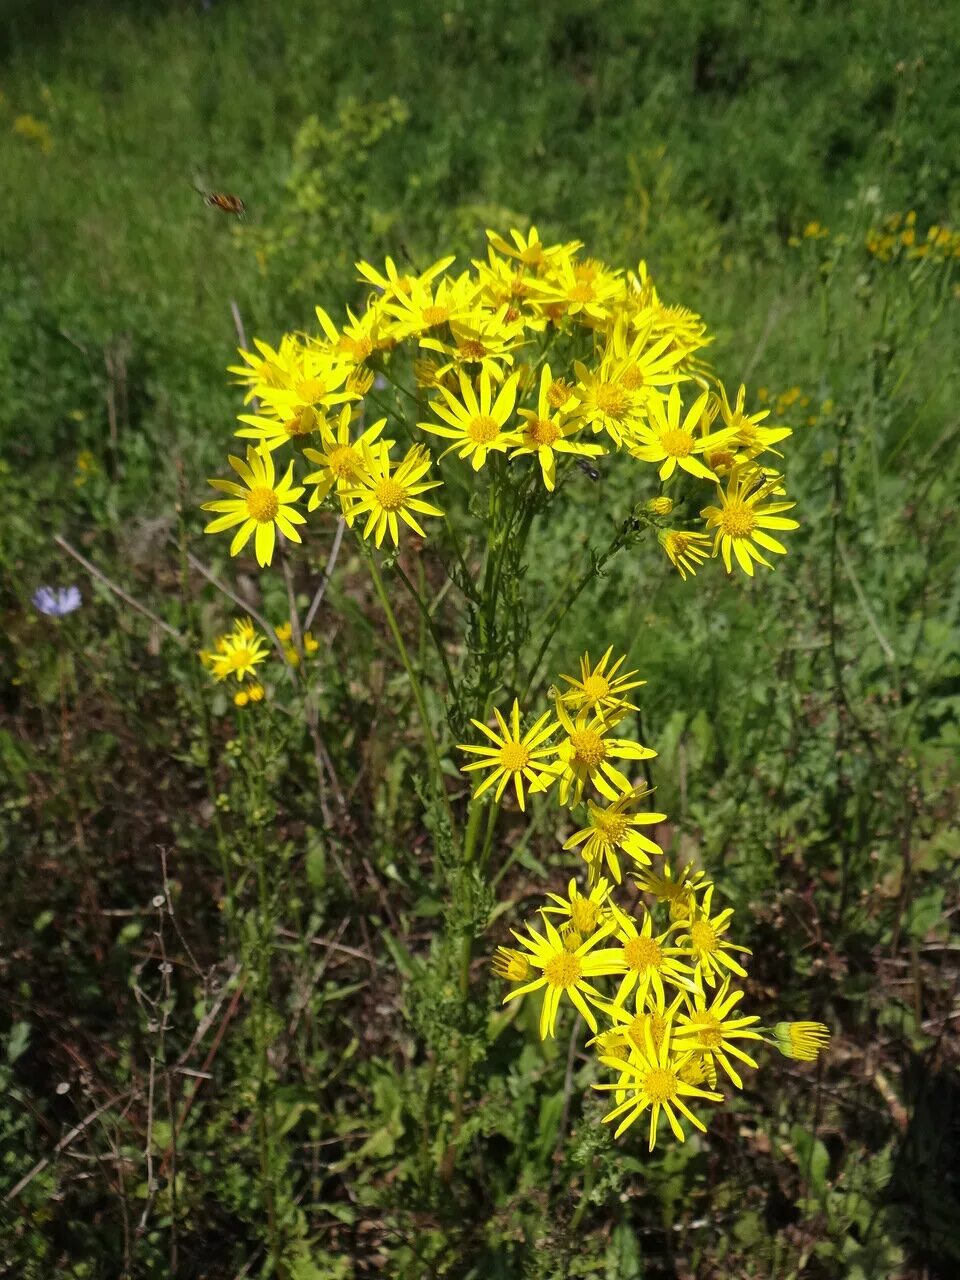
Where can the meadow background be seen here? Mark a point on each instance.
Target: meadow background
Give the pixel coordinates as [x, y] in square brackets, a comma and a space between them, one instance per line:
[807, 723]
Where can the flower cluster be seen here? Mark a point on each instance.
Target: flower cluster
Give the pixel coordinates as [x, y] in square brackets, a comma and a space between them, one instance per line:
[672, 1027]
[897, 238]
[237, 653]
[537, 358]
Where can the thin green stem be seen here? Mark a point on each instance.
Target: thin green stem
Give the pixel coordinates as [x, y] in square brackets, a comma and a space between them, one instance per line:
[431, 627]
[430, 740]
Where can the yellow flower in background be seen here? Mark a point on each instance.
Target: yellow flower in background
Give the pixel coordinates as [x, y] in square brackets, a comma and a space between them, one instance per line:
[483, 341]
[686, 550]
[749, 435]
[651, 1081]
[476, 426]
[678, 891]
[510, 964]
[586, 755]
[599, 689]
[259, 505]
[514, 756]
[528, 249]
[547, 434]
[588, 297]
[390, 496]
[236, 653]
[801, 1040]
[740, 523]
[564, 972]
[34, 130]
[267, 369]
[359, 339]
[341, 458]
[612, 831]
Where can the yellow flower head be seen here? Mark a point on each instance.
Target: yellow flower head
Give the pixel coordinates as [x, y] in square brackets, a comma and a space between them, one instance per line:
[651, 1080]
[599, 689]
[340, 461]
[388, 496]
[672, 443]
[514, 755]
[475, 424]
[740, 523]
[566, 972]
[685, 550]
[704, 941]
[612, 831]
[584, 914]
[587, 753]
[649, 961]
[259, 504]
[236, 653]
[710, 1028]
[510, 964]
[547, 433]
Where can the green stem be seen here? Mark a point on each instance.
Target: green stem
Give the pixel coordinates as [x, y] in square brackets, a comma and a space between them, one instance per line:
[594, 570]
[418, 695]
[434, 634]
[588, 1180]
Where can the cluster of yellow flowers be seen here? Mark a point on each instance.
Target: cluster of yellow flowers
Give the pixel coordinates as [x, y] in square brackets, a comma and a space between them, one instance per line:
[537, 355]
[673, 1019]
[239, 651]
[897, 237]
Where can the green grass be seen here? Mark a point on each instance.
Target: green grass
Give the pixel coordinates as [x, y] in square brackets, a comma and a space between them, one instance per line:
[807, 725]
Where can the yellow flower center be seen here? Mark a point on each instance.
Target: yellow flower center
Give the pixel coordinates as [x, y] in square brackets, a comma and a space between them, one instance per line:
[514, 756]
[472, 349]
[542, 431]
[435, 316]
[596, 687]
[703, 937]
[563, 970]
[588, 270]
[588, 747]
[390, 495]
[613, 826]
[737, 520]
[343, 461]
[582, 291]
[678, 444]
[611, 399]
[642, 953]
[632, 379]
[262, 504]
[660, 1085]
[483, 429]
[709, 1031]
[584, 915]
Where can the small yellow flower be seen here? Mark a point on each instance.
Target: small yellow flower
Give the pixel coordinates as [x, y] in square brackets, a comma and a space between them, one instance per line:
[740, 522]
[612, 831]
[475, 425]
[672, 443]
[710, 1029]
[705, 943]
[649, 961]
[584, 914]
[510, 964]
[598, 689]
[260, 504]
[651, 1080]
[586, 755]
[686, 550]
[389, 496]
[514, 755]
[566, 972]
[546, 434]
